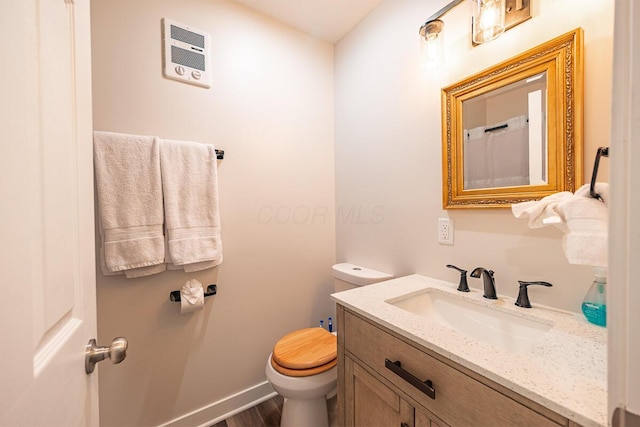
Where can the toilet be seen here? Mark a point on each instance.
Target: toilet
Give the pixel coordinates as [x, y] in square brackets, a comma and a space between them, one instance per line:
[303, 365]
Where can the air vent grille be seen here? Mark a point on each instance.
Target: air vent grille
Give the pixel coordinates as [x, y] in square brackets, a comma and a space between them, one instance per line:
[187, 36]
[186, 53]
[187, 58]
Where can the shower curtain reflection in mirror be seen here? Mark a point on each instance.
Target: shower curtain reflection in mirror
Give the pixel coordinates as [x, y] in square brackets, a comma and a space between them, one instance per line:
[505, 136]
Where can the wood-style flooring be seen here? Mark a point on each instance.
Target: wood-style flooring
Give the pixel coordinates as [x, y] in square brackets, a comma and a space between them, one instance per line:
[268, 413]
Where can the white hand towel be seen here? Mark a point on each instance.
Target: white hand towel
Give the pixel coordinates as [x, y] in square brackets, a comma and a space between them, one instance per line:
[129, 191]
[587, 219]
[601, 188]
[583, 219]
[543, 212]
[586, 248]
[190, 186]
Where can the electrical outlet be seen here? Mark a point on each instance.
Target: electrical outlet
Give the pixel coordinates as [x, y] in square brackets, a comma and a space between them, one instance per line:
[445, 231]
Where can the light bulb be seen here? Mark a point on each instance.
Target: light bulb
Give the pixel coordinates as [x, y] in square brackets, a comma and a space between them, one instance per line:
[432, 48]
[432, 42]
[488, 20]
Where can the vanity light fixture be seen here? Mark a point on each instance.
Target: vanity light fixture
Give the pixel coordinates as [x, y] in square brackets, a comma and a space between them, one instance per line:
[432, 35]
[490, 19]
[433, 43]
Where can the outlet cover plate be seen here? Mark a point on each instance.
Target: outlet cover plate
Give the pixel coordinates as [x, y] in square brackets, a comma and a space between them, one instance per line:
[445, 231]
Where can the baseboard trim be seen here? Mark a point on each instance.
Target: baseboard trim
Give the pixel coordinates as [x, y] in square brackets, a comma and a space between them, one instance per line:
[224, 408]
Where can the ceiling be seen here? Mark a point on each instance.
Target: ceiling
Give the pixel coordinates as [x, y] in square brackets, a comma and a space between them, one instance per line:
[328, 20]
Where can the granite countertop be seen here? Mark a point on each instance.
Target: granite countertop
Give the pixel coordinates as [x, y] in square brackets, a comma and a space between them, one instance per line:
[565, 370]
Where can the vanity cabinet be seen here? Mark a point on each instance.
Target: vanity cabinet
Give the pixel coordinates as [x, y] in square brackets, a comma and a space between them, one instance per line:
[385, 379]
[372, 403]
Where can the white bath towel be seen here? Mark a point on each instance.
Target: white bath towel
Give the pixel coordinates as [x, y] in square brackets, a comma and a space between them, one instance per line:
[190, 186]
[583, 219]
[129, 192]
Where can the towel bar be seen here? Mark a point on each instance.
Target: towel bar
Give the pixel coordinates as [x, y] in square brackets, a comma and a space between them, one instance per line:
[219, 154]
[174, 296]
[504, 126]
[602, 151]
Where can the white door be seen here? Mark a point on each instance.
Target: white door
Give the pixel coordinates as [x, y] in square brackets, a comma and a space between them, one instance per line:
[47, 267]
[624, 229]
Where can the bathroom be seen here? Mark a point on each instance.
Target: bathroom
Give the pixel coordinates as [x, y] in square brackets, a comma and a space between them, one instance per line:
[332, 153]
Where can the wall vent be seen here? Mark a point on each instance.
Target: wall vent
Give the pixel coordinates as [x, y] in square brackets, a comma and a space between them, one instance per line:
[186, 53]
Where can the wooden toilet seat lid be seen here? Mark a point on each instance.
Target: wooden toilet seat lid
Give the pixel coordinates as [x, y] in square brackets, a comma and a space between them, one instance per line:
[306, 349]
[303, 372]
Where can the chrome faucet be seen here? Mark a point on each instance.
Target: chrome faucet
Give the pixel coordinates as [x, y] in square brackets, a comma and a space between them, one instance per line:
[489, 282]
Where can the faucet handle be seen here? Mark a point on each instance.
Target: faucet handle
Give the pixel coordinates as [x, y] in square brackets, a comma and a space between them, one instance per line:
[463, 286]
[523, 295]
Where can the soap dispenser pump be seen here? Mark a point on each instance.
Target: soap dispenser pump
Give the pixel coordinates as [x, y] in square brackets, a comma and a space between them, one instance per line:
[594, 305]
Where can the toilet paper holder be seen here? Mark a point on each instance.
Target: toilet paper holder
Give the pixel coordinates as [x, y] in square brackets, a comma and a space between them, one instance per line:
[174, 296]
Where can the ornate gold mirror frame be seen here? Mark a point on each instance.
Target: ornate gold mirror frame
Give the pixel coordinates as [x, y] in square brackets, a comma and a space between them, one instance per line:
[559, 127]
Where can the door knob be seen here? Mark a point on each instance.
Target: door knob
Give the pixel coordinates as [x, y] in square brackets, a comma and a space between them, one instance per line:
[93, 354]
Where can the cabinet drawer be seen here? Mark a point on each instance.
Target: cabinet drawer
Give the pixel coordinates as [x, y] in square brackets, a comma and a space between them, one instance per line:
[459, 399]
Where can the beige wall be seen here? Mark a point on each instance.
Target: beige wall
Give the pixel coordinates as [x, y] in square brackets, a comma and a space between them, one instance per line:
[271, 109]
[388, 147]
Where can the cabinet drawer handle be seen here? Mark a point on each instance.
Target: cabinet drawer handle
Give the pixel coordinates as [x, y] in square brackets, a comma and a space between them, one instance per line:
[426, 387]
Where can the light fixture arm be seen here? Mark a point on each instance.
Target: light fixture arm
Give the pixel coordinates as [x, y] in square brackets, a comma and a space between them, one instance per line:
[444, 10]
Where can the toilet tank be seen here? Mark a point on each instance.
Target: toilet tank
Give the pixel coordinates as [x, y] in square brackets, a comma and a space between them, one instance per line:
[350, 276]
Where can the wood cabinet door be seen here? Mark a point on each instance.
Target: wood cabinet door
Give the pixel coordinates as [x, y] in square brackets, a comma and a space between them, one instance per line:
[425, 419]
[369, 403]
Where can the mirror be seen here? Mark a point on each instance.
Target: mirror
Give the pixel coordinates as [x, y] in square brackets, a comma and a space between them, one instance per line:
[513, 132]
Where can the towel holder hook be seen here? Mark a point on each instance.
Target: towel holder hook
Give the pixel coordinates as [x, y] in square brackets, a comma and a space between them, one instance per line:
[602, 152]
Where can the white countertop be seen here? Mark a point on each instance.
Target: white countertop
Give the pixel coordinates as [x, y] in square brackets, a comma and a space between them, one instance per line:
[566, 371]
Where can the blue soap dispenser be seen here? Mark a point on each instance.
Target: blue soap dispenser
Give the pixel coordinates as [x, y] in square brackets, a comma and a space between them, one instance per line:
[594, 305]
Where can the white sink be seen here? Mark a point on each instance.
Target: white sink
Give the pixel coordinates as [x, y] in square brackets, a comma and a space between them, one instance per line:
[483, 323]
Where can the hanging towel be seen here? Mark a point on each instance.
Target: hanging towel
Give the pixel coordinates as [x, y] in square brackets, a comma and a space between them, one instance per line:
[587, 219]
[129, 192]
[601, 188]
[543, 212]
[190, 187]
[583, 219]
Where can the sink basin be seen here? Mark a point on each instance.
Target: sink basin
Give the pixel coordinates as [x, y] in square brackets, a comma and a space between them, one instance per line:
[483, 323]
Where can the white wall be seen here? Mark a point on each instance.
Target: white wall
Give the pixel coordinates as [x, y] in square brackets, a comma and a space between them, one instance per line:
[271, 110]
[388, 147]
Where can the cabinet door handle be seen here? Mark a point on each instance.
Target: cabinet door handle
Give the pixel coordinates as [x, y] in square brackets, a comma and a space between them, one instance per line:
[426, 387]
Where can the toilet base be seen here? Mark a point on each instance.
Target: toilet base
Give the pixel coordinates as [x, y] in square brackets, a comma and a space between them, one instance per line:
[305, 413]
[305, 398]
